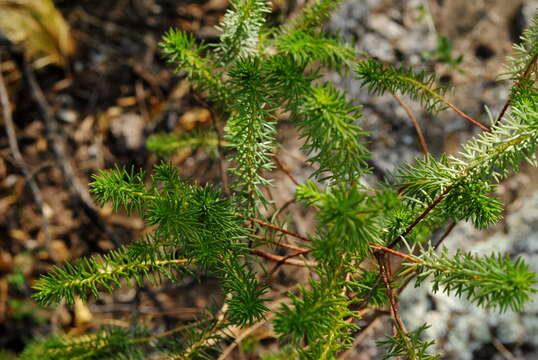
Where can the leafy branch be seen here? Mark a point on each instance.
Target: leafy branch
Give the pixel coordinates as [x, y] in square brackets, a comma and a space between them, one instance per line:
[88, 275]
[419, 86]
[491, 281]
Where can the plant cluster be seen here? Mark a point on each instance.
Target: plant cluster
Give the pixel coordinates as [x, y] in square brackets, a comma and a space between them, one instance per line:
[252, 78]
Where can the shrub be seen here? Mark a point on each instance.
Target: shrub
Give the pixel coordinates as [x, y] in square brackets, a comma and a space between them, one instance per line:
[251, 78]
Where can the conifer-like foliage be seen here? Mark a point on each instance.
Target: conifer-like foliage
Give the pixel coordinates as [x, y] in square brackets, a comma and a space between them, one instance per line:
[253, 78]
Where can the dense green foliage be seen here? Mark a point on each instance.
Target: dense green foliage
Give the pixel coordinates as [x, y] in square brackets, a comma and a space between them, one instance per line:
[255, 77]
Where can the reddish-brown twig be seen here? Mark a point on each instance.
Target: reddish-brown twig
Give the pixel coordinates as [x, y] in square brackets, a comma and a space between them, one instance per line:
[385, 276]
[407, 109]
[517, 84]
[394, 252]
[447, 232]
[420, 217]
[284, 206]
[278, 264]
[285, 170]
[277, 258]
[276, 228]
[279, 243]
[445, 101]
[220, 151]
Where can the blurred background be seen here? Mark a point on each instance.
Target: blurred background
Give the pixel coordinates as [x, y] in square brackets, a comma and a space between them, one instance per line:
[87, 85]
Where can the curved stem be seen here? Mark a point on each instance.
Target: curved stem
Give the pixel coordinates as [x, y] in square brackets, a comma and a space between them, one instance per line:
[446, 102]
[407, 109]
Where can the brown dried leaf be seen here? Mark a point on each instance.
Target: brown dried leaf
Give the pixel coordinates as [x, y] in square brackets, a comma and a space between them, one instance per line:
[6, 262]
[194, 116]
[59, 250]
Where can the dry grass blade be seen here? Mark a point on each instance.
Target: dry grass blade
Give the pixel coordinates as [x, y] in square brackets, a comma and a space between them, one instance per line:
[39, 27]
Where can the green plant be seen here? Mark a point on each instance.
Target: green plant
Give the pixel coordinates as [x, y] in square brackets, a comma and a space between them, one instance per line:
[253, 76]
[443, 53]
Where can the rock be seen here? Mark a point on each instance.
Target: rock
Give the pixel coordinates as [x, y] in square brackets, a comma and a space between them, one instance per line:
[68, 116]
[383, 25]
[129, 129]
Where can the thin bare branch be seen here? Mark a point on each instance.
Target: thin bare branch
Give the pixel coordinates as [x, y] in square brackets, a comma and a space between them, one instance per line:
[409, 112]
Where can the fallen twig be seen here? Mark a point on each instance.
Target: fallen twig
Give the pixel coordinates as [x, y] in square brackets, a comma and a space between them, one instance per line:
[57, 146]
[15, 151]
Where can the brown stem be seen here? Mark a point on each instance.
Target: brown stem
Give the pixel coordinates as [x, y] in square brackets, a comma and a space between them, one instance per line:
[503, 111]
[399, 325]
[285, 205]
[420, 217]
[169, 332]
[385, 276]
[445, 234]
[281, 244]
[407, 109]
[394, 252]
[298, 253]
[277, 258]
[285, 170]
[276, 228]
[517, 84]
[227, 352]
[446, 102]
[302, 159]
[466, 117]
[214, 122]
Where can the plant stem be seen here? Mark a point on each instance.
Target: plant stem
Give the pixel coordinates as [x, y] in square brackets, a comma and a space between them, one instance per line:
[394, 252]
[220, 147]
[281, 244]
[446, 102]
[276, 228]
[281, 259]
[407, 109]
[420, 217]
[381, 259]
[517, 84]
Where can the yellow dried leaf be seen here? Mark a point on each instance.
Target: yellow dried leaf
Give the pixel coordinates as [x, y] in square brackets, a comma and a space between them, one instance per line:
[39, 27]
[83, 315]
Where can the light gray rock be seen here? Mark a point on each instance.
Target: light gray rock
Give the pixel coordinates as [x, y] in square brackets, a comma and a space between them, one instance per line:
[129, 127]
[461, 326]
